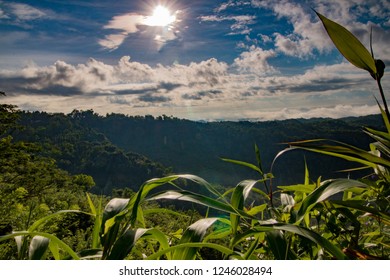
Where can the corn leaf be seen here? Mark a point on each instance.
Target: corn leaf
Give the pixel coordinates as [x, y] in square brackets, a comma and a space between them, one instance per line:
[38, 247]
[298, 188]
[62, 245]
[245, 164]
[258, 158]
[302, 231]
[123, 245]
[224, 250]
[199, 199]
[96, 226]
[154, 183]
[194, 233]
[361, 206]
[325, 191]
[91, 205]
[349, 46]
[55, 250]
[384, 116]
[257, 209]
[240, 193]
[278, 245]
[341, 150]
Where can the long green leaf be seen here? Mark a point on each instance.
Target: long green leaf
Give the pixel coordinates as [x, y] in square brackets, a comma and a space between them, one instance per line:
[349, 46]
[278, 245]
[194, 233]
[240, 193]
[49, 236]
[38, 247]
[224, 250]
[55, 250]
[91, 205]
[298, 188]
[199, 199]
[160, 237]
[154, 183]
[361, 206]
[302, 231]
[340, 150]
[245, 164]
[258, 159]
[125, 243]
[384, 116]
[97, 226]
[113, 207]
[325, 191]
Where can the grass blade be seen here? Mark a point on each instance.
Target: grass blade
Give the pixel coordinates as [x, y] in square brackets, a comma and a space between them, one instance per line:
[245, 164]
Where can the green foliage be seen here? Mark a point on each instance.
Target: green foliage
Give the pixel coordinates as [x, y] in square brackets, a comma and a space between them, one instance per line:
[257, 219]
[349, 46]
[78, 148]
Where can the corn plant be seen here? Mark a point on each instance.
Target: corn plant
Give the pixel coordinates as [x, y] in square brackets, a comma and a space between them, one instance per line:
[365, 206]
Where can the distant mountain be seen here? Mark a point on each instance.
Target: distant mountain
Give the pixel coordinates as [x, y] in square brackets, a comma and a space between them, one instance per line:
[196, 147]
[124, 151]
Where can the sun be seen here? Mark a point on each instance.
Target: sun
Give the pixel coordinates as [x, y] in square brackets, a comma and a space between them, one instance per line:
[161, 17]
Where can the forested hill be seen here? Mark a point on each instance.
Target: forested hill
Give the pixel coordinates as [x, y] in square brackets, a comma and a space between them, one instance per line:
[121, 151]
[78, 148]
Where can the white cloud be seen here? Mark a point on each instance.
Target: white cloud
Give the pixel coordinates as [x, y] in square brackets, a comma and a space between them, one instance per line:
[308, 34]
[210, 88]
[256, 61]
[26, 12]
[3, 15]
[113, 41]
[240, 22]
[128, 23]
[231, 4]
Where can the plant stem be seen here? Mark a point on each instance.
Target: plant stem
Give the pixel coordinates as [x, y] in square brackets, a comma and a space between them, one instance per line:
[378, 80]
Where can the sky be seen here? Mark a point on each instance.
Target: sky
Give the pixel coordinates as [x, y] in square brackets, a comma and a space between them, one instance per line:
[191, 59]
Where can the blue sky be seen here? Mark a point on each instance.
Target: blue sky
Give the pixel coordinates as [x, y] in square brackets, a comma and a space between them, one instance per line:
[199, 60]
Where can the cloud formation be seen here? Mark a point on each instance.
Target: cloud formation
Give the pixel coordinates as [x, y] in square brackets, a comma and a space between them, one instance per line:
[130, 23]
[240, 22]
[25, 12]
[130, 85]
[234, 60]
[308, 35]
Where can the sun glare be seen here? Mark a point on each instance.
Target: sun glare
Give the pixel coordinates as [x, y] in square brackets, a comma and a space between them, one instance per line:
[161, 17]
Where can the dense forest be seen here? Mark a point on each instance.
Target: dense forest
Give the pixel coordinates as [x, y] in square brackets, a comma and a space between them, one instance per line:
[121, 151]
